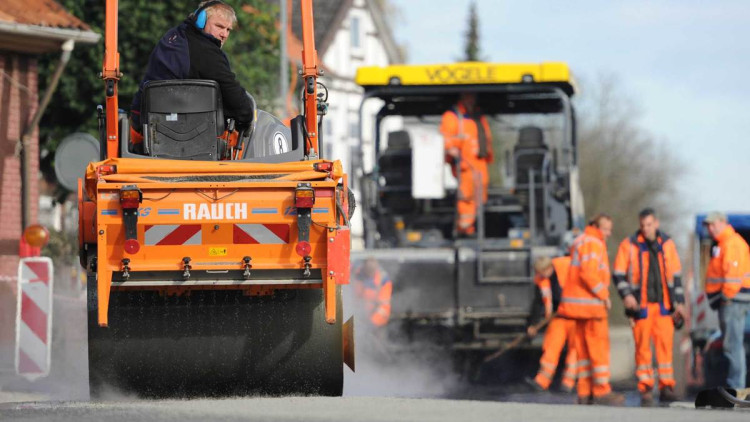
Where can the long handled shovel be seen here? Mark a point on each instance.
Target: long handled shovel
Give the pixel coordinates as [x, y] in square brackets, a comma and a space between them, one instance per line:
[518, 340]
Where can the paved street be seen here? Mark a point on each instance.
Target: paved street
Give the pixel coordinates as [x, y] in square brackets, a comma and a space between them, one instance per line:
[345, 409]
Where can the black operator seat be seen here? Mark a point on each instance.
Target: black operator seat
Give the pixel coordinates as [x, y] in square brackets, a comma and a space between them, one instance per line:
[395, 161]
[183, 119]
[395, 170]
[529, 153]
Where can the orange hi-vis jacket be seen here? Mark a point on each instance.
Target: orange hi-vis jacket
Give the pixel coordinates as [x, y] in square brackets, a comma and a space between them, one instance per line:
[460, 131]
[729, 269]
[562, 267]
[376, 291]
[632, 268]
[587, 286]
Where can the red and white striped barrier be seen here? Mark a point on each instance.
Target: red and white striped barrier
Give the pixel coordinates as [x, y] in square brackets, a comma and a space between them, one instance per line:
[34, 317]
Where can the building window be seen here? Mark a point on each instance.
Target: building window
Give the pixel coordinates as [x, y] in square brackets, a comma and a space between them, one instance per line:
[354, 31]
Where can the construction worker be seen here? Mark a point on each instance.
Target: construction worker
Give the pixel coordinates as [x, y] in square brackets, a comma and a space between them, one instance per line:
[373, 285]
[192, 50]
[468, 145]
[648, 276]
[585, 299]
[728, 291]
[550, 278]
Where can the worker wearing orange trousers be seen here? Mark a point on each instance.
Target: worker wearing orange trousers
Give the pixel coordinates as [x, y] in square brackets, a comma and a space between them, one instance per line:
[728, 291]
[550, 278]
[585, 299]
[468, 143]
[648, 276]
[374, 286]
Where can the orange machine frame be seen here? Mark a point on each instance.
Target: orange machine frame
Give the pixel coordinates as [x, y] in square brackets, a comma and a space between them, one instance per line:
[105, 179]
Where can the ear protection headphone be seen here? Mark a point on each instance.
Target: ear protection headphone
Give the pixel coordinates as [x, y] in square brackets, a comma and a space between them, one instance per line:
[199, 16]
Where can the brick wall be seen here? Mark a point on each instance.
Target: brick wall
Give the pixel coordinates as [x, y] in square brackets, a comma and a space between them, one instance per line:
[18, 102]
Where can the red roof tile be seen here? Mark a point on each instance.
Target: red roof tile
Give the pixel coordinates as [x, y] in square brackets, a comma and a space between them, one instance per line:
[39, 12]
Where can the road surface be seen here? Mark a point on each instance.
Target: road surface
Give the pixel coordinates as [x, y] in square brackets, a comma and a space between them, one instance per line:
[346, 409]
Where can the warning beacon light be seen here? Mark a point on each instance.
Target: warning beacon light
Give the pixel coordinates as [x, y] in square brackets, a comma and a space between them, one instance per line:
[36, 235]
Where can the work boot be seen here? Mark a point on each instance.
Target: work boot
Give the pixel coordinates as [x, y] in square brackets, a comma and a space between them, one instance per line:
[566, 389]
[584, 400]
[667, 395]
[610, 399]
[534, 385]
[647, 399]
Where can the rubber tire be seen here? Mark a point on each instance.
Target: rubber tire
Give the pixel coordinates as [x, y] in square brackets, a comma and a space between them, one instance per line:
[352, 200]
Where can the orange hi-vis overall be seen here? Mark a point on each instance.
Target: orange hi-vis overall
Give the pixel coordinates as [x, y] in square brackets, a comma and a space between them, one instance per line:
[376, 292]
[654, 323]
[560, 332]
[461, 131]
[583, 300]
[728, 275]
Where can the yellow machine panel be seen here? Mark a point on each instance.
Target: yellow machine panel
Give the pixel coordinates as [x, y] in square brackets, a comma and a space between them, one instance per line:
[465, 73]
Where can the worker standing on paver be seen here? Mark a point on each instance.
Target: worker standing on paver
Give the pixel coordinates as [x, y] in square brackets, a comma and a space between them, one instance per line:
[648, 276]
[551, 275]
[585, 299]
[468, 145]
[728, 290]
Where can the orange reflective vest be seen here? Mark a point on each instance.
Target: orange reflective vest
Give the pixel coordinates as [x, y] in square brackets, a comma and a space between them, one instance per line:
[729, 268]
[562, 269]
[460, 131]
[587, 286]
[376, 291]
[561, 265]
[632, 267]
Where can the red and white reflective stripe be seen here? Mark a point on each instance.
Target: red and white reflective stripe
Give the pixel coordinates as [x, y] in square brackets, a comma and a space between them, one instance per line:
[34, 317]
[265, 234]
[701, 316]
[173, 234]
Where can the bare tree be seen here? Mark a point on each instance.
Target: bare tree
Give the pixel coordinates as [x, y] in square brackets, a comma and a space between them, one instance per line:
[394, 17]
[624, 166]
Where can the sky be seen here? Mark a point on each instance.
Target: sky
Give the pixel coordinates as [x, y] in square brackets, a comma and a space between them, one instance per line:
[685, 63]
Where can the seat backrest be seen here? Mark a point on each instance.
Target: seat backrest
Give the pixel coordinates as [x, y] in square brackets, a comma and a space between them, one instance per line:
[182, 119]
[399, 139]
[529, 153]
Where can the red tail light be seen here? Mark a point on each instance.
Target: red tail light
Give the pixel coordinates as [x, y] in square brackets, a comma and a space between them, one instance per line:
[323, 166]
[304, 196]
[130, 197]
[106, 169]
